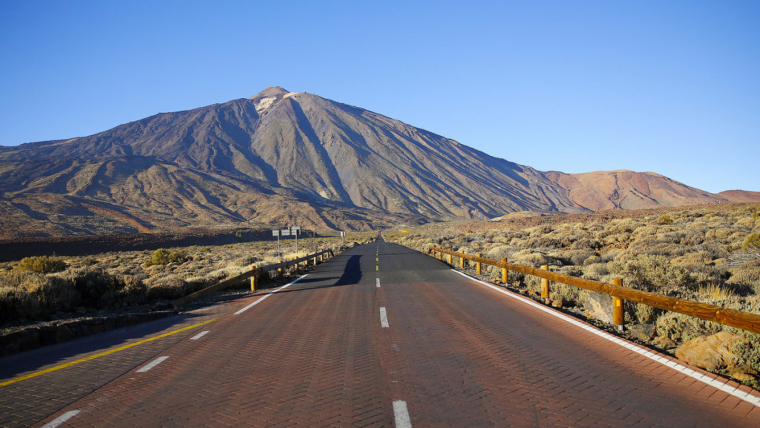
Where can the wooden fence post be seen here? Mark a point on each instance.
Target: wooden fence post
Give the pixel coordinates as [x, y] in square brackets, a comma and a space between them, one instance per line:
[504, 273]
[253, 279]
[477, 266]
[618, 315]
[545, 286]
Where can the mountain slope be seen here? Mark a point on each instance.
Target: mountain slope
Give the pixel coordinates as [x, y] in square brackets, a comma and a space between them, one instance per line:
[274, 159]
[622, 189]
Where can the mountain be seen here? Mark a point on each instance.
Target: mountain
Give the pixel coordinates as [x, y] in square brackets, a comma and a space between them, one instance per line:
[283, 158]
[622, 189]
[740, 196]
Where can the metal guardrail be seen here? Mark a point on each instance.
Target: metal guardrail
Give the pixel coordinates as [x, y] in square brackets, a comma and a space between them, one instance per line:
[730, 317]
[253, 274]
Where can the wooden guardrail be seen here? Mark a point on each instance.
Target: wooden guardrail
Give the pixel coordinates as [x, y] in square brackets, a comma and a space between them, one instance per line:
[253, 274]
[725, 316]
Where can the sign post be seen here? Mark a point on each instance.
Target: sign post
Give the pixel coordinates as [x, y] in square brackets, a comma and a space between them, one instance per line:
[277, 234]
[342, 235]
[295, 230]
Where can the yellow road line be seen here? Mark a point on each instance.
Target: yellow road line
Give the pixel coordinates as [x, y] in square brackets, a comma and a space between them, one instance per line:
[102, 354]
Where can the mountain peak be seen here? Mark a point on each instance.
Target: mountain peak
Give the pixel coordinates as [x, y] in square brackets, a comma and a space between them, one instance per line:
[268, 97]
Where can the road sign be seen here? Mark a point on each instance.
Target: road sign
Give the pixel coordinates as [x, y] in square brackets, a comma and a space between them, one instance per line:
[285, 232]
[295, 230]
[276, 232]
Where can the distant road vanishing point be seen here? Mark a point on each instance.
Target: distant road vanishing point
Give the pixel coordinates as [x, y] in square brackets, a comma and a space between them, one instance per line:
[380, 335]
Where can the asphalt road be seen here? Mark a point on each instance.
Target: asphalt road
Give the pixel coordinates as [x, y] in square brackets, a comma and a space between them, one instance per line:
[378, 336]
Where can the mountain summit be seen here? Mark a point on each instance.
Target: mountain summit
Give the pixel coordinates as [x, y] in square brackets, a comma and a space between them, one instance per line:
[280, 158]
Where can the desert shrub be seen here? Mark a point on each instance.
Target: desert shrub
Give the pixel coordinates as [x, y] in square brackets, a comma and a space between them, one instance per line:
[168, 288]
[652, 272]
[645, 314]
[16, 303]
[595, 271]
[530, 258]
[665, 219]
[680, 328]
[134, 290]
[163, 256]
[593, 259]
[42, 264]
[751, 242]
[586, 244]
[54, 293]
[97, 287]
[578, 257]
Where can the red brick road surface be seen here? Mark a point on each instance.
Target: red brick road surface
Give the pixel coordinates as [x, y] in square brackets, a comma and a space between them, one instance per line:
[456, 352]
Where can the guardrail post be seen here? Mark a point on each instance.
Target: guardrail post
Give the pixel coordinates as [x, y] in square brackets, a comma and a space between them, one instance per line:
[296, 264]
[504, 273]
[440, 255]
[462, 262]
[477, 266]
[280, 272]
[253, 280]
[450, 262]
[618, 316]
[545, 286]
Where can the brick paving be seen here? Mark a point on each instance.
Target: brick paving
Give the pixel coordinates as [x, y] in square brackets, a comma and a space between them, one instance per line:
[458, 353]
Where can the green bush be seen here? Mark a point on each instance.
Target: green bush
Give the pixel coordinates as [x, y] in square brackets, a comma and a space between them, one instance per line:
[665, 219]
[164, 257]
[751, 242]
[43, 264]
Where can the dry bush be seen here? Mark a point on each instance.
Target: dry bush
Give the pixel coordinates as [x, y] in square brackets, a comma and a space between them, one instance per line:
[653, 273]
[17, 304]
[42, 264]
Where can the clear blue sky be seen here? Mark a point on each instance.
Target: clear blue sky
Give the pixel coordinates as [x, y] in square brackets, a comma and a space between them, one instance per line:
[671, 87]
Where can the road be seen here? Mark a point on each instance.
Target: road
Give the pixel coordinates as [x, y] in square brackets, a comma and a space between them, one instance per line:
[380, 335]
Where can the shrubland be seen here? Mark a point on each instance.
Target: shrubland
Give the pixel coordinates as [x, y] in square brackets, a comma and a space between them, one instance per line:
[708, 254]
[49, 288]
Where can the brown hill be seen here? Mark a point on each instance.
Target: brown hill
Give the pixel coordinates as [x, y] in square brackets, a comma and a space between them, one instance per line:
[622, 189]
[740, 196]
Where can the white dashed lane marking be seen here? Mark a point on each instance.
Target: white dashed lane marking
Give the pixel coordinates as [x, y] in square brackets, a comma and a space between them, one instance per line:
[199, 335]
[152, 364]
[384, 318]
[401, 414]
[61, 419]
[377, 282]
[267, 295]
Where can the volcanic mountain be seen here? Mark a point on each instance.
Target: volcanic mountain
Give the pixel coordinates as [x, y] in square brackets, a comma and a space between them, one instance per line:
[283, 158]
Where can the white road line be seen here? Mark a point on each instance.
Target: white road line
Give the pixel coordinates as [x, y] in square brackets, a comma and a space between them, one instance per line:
[384, 318]
[377, 282]
[716, 383]
[152, 364]
[401, 414]
[61, 419]
[269, 294]
[199, 335]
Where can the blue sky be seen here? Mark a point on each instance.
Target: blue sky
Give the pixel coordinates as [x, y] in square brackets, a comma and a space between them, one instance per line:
[575, 86]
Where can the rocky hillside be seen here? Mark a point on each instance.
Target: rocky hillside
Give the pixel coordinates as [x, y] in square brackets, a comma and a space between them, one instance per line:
[283, 158]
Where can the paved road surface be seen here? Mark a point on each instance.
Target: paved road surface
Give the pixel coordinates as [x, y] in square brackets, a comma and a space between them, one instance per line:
[378, 336]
